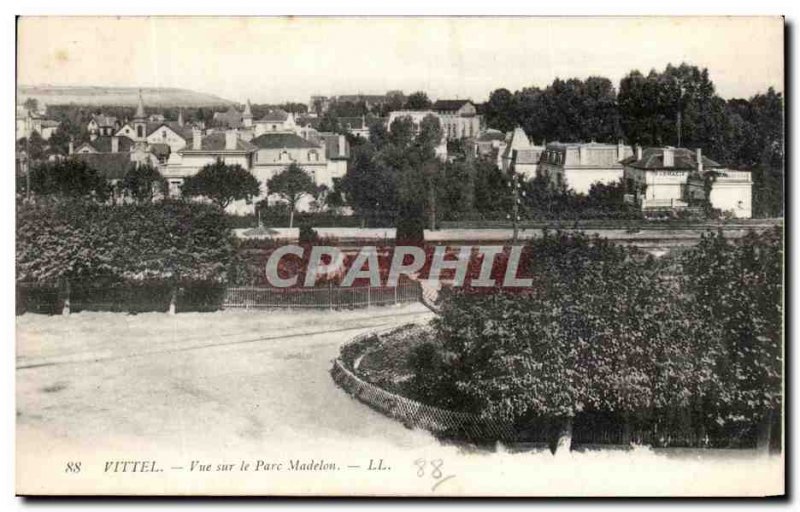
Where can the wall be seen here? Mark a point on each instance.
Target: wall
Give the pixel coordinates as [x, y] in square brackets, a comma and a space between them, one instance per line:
[733, 196]
[175, 141]
[581, 180]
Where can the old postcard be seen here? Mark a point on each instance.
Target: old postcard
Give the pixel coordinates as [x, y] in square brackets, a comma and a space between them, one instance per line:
[376, 256]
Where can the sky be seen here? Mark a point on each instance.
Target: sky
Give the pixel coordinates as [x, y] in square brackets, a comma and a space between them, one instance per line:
[272, 60]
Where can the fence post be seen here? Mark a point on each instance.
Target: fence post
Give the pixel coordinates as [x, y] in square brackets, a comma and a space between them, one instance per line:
[67, 291]
[330, 295]
[395, 294]
[173, 300]
[369, 297]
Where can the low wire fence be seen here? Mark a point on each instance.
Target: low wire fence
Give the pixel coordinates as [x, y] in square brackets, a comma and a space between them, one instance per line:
[415, 414]
[588, 428]
[332, 297]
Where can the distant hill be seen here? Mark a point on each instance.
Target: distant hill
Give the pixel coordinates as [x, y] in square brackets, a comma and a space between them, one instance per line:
[118, 96]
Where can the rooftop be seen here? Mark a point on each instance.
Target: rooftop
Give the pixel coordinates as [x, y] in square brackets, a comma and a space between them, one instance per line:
[111, 166]
[684, 159]
[449, 105]
[216, 142]
[281, 140]
[103, 144]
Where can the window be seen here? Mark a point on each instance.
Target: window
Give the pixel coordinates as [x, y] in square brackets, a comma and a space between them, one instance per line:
[140, 131]
[164, 135]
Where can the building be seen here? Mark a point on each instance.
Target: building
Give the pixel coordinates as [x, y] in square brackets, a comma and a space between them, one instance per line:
[275, 121]
[520, 155]
[576, 166]
[487, 145]
[460, 119]
[225, 146]
[668, 178]
[106, 144]
[231, 118]
[29, 121]
[355, 125]
[325, 160]
[319, 105]
[416, 117]
[102, 125]
[112, 157]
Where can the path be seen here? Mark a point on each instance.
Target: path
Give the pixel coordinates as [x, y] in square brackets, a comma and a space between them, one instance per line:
[244, 379]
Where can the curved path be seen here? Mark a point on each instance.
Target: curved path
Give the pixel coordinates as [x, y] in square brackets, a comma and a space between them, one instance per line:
[241, 380]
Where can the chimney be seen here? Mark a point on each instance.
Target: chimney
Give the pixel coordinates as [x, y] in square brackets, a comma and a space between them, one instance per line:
[114, 144]
[71, 147]
[196, 138]
[638, 152]
[699, 155]
[669, 156]
[230, 140]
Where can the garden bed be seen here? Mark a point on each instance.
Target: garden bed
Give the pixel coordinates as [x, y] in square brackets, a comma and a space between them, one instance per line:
[386, 361]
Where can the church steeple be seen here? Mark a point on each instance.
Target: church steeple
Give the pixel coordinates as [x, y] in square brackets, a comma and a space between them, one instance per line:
[140, 108]
[140, 121]
[180, 117]
[247, 115]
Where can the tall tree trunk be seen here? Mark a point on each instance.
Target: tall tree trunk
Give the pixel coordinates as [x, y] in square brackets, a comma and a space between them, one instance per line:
[291, 217]
[67, 292]
[764, 433]
[561, 442]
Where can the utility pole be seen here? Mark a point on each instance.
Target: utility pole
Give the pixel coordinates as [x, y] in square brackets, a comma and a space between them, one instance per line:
[680, 110]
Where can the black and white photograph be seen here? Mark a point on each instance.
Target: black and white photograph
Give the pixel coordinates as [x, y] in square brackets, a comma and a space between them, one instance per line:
[376, 256]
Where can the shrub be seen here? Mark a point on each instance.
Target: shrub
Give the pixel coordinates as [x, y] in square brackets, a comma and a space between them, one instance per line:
[172, 243]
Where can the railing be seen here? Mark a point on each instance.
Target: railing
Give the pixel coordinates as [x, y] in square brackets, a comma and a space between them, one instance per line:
[663, 203]
[588, 429]
[415, 414]
[320, 298]
[121, 298]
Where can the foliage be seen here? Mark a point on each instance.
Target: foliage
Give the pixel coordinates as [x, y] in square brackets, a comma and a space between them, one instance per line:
[308, 235]
[417, 101]
[171, 241]
[391, 178]
[606, 331]
[141, 182]
[222, 184]
[738, 290]
[291, 184]
[68, 178]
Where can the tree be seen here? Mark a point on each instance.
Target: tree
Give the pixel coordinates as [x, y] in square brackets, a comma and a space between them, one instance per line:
[141, 182]
[69, 178]
[417, 101]
[500, 111]
[291, 184]
[35, 146]
[31, 104]
[222, 184]
[738, 289]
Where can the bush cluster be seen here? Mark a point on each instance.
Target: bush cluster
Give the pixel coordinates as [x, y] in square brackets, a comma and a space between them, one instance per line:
[685, 345]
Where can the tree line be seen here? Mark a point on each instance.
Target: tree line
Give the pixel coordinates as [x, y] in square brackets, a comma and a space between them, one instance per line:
[678, 106]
